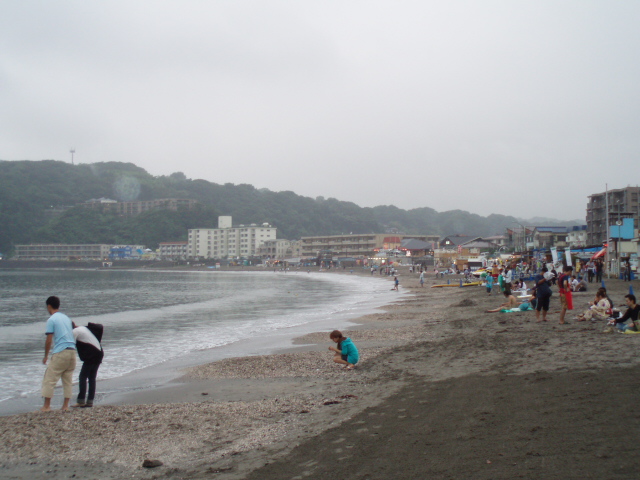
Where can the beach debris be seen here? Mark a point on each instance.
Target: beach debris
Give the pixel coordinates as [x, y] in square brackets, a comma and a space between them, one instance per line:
[219, 470]
[465, 303]
[331, 402]
[204, 393]
[152, 463]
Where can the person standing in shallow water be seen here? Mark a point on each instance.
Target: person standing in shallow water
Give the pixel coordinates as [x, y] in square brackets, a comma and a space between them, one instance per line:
[59, 332]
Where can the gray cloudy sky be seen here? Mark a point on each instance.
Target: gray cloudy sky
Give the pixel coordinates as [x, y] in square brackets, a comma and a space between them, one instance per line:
[486, 106]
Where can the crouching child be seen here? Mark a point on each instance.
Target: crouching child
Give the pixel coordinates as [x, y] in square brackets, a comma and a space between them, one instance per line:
[346, 352]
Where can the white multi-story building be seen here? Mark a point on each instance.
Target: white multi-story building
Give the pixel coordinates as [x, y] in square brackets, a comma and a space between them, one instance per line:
[54, 251]
[228, 241]
[173, 250]
[280, 249]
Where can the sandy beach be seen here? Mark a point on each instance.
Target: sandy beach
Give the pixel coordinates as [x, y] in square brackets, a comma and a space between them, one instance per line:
[442, 390]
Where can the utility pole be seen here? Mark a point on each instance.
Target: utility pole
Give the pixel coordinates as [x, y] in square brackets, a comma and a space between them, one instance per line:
[72, 151]
[606, 207]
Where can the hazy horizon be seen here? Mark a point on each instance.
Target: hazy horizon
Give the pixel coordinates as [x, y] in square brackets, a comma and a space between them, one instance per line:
[513, 108]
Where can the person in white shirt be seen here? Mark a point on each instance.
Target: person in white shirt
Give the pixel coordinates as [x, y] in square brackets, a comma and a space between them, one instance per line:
[91, 354]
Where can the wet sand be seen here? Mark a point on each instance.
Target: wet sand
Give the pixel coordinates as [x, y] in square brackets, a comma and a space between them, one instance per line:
[443, 390]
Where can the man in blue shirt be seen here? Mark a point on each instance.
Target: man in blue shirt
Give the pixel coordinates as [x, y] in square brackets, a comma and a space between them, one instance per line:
[59, 333]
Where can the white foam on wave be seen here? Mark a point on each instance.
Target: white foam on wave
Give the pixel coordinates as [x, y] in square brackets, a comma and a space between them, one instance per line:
[135, 339]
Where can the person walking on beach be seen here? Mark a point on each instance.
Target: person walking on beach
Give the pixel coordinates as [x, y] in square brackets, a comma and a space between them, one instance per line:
[91, 354]
[421, 279]
[346, 352]
[59, 331]
[396, 283]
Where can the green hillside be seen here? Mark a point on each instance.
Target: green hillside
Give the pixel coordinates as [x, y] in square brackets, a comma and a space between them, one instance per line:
[31, 191]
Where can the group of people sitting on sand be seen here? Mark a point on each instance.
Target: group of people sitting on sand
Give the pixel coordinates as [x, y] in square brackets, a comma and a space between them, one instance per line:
[601, 308]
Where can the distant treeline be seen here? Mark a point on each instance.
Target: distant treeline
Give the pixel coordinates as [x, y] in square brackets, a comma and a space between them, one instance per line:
[31, 191]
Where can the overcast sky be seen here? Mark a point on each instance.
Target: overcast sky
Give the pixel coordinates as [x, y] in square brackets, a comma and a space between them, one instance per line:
[520, 108]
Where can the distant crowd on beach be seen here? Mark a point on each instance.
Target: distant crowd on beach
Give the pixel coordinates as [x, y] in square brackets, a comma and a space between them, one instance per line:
[537, 296]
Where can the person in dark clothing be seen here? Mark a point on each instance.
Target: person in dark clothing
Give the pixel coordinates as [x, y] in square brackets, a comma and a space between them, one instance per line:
[91, 354]
[629, 321]
[543, 295]
[599, 270]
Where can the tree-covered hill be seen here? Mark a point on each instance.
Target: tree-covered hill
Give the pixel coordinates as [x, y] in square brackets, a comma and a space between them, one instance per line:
[30, 191]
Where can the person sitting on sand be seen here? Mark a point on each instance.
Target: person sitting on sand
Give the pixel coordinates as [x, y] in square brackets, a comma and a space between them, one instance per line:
[346, 354]
[629, 321]
[578, 284]
[512, 302]
[521, 286]
[600, 308]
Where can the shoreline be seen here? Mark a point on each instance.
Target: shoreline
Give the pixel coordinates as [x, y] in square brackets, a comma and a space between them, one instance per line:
[436, 360]
[144, 381]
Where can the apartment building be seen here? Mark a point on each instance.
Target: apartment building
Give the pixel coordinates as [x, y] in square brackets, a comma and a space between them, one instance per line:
[279, 249]
[228, 241]
[173, 250]
[577, 237]
[358, 245]
[618, 204]
[131, 209]
[547, 237]
[51, 251]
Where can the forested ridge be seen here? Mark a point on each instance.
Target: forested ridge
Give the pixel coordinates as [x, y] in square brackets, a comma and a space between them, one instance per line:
[31, 191]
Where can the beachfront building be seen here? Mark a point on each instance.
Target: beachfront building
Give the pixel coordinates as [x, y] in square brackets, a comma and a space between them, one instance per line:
[130, 252]
[500, 240]
[452, 241]
[172, 250]
[577, 237]
[228, 241]
[131, 209]
[279, 249]
[56, 251]
[458, 250]
[520, 238]
[356, 245]
[546, 237]
[616, 205]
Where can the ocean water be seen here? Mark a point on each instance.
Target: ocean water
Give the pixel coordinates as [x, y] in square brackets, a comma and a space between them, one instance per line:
[151, 317]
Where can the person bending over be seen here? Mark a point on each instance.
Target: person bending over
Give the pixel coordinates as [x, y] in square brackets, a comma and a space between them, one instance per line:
[91, 354]
[346, 354]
